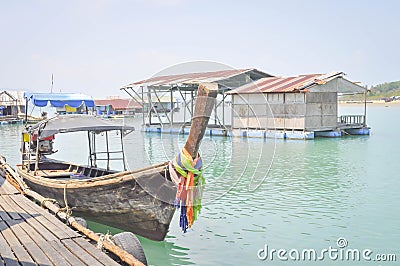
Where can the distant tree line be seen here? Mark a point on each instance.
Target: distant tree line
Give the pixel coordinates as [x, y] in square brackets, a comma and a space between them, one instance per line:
[385, 90]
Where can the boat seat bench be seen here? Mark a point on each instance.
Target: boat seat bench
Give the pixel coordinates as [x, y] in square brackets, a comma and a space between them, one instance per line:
[73, 172]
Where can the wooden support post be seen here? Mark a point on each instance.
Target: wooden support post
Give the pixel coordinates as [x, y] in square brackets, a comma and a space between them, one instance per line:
[26, 111]
[205, 102]
[172, 108]
[365, 107]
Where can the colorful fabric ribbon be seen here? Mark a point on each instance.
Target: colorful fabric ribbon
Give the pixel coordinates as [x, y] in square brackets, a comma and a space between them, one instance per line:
[187, 173]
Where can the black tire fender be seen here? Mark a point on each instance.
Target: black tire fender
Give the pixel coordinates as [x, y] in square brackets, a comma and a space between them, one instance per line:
[81, 221]
[131, 244]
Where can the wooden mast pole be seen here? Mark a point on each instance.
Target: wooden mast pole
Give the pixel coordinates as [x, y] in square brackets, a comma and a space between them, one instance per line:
[205, 102]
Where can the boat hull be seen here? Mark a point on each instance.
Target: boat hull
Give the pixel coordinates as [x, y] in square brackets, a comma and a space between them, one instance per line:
[140, 202]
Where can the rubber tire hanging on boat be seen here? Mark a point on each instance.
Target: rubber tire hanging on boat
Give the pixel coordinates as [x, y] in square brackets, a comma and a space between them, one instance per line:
[131, 244]
[81, 221]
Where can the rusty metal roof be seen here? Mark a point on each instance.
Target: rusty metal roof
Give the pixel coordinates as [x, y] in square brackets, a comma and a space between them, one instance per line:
[195, 78]
[285, 84]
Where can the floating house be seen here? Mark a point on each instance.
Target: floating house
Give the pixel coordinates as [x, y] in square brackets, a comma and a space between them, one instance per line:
[159, 116]
[117, 107]
[252, 103]
[11, 106]
[303, 106]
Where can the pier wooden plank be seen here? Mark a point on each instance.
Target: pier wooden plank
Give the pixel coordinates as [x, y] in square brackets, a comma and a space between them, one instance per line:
[34, 250]
[17, 209]
[79, 252]
[30, 235]
[68, 255]
[37, 254]
[23, 256]
[5, 187]
[6, 252]
[50, 222]
[55, 257]
[58, 228]
[9, 209]
[102, 257]
[3, 215]
[30, 219]
[12, 247]
[8, 235]
[48, 249]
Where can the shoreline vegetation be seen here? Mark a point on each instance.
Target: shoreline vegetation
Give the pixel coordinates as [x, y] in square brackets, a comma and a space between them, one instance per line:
[381, 94]
[369, 102]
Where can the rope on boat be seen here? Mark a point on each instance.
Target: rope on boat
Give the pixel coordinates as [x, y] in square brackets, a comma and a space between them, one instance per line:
[100, 242]
[187, 173]
[102, 238]
[66, 209]
[43, 202]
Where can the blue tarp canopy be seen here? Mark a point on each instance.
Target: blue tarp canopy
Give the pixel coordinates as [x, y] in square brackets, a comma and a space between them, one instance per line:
[59, 99]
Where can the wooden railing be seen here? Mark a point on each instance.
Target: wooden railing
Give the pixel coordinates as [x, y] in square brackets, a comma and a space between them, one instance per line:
[351, 119]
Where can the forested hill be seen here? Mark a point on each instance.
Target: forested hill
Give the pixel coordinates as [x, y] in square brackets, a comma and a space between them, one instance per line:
[386, 89]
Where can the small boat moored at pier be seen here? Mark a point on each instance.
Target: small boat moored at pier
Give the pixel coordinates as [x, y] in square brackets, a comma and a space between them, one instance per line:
[139, 200]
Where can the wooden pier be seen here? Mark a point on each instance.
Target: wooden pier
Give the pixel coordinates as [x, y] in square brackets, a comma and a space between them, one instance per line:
[30, 235]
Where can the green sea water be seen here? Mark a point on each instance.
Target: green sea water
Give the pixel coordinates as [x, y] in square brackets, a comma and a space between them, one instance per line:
[274, 194]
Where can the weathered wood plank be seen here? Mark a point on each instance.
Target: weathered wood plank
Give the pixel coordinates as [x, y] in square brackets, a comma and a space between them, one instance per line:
[50, 222]
[55, 257]
[3, 214]
[101, 257]
[47, 249]
[68, 255]
[58, 228]
[43, 231]
[9, 261]
[21, 235]
[31, 220]
[17, 209]
[8, 235]
[11, 246]
[5, 251]
[5, 187]
[33, 249]
[9, 209]
[23, 256]
[79, 252]
[37, 254]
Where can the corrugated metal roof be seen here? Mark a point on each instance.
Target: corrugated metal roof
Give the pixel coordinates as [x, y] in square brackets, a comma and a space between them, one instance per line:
[194, 78]
[285, 84]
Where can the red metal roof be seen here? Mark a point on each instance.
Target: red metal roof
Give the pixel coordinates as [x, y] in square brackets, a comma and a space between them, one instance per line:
[118, 104]
[284, 84]
[193, 78]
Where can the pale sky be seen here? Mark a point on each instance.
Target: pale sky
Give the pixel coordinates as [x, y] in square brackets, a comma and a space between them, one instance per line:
[96, 47]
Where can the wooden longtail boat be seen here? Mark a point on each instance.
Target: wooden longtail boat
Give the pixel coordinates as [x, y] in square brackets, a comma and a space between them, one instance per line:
[140, 201]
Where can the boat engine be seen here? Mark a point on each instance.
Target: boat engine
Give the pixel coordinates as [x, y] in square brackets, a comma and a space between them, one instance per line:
[45, 145]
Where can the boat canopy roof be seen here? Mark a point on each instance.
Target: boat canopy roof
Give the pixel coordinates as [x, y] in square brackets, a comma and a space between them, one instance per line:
[75, 123]
[59, 99]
